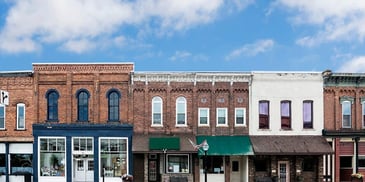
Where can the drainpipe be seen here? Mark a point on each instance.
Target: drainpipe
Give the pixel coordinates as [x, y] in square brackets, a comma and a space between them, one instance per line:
[356, 154]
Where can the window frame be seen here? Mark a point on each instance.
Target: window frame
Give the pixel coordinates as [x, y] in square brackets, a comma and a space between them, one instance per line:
[83, 108]
[225, 116]
[306, 123]
[243, 117]
[113, 97]
[111, 151]
[2, 117]
[181, 100]
[52, 97]
[264, 117]
[285, 114]
[58, 149]
[200, 109]
[363, 113]
[177, 155]
[343, 110]
[157, 100]
[18, 125]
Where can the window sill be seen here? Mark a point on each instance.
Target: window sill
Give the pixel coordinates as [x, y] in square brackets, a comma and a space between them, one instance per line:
[157, 126]
[3, 129]
[20, 129]
[203, 126]
[109, 121]
[181, 125]
[286, 129]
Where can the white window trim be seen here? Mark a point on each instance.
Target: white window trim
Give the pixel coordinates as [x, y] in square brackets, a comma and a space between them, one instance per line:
[244, 116]
[3, 107]
[17, 116]
[226, 116]
[343, 114]
[362, 114]
[167, 162]
[159, 99]
[203, 108]
[185, 109]
[84, 151]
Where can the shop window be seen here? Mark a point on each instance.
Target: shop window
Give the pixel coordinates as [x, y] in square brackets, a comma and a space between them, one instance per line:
[222, 117]
[345, 161]
[240, 116]
[264, 119]
[261, 165]
[204, 116]
[177, 163]
[21, 164]
[2, 117]
[285, 109]
[20, 116]
[309, 164]
[156, 111]
[114, 157]
[52, 156]
[181, 111]
[113, 105]
[83, 144]
[361, 161]
[52, 105]
[83, 105]
[2, 164]
[215, 164]
[308, 114]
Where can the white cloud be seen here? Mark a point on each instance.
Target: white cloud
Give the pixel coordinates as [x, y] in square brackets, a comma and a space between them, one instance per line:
[180, 55]
[253, 49]
[31, 24]
[337, 20]
[355, 65]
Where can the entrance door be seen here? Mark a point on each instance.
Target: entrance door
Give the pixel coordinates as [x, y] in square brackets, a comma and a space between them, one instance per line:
[153, 172]
[84, 170]
[284, 171]
[236, 168]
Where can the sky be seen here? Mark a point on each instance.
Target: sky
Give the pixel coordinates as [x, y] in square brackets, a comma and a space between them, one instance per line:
[188, 35]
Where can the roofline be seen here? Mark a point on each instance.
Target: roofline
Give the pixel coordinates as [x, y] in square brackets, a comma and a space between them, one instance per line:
[83, 63]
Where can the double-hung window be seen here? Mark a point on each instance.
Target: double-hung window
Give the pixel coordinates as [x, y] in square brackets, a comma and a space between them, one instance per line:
[363, 112]
[181, 111]
[20, 116]
[113, 105]
[346, 103]
[222, 118]
[2, 117]
[240, 119]
[264, 119]
[307, 114]
[203, 117]
[285, 114]
[156, 111]
[83, 105]
[52, 105]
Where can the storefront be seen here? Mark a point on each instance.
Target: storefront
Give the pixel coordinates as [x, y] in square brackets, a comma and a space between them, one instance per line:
[226, 158]
[82, 152]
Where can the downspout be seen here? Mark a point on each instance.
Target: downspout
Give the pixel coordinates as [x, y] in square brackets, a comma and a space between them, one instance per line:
[356, 154]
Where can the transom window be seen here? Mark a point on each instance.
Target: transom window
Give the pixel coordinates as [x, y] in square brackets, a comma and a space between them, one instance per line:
[222, 117]
[181, 111]
[83, 144]
[285, 114]
[2, 117]
[308, 114]
[52, 105]
[113, 105]
[264, 119]
[20, 124]
[83, 105]
[156, 111]
[240, 114]
[203, 116]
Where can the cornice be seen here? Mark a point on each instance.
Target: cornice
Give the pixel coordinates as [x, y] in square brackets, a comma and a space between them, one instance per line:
[84, 68]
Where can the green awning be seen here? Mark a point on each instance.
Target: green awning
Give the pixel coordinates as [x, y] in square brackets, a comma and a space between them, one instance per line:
[226, 145]
[168, 143]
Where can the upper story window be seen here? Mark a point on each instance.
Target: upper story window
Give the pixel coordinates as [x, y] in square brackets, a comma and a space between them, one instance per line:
[113, 105]
[264, 117]
[52, 105]
[346, 114]
[181, 111]
[307, 114]
[203, 117]
[240, 119]
[2, 117]
[156, 111]
[222, 119]
[82, 105]
[363, 111]
[20, 116]
[285, 108]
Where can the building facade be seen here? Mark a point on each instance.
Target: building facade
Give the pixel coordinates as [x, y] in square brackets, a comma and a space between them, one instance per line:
[344, 111]
[286, 122]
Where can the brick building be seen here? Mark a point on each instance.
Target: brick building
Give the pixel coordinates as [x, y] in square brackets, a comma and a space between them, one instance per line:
[344, 115]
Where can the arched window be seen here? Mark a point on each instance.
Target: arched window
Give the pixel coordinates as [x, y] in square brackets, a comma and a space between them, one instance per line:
[52, 105]
[156, 111]
[82, 105]
[113, 105]
[181, 111]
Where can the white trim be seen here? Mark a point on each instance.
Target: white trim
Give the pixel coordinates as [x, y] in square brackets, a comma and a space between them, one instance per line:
[244, 116]
[225, 115]
[17, 116]
[157, 99]
[4, 108]
[199, 110]
[181, 100]
[21, 148]
[363, 113]
[342, 114]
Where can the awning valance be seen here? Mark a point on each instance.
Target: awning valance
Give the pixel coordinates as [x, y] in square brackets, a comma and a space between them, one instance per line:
[290, 145]
[226, 145]
[164, 143]
[159, 143]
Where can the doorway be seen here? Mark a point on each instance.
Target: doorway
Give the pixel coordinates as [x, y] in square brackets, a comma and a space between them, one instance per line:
[284, 171]
[83, 169]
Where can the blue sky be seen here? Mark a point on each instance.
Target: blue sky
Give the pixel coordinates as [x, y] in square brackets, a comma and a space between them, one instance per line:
[189, 35]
